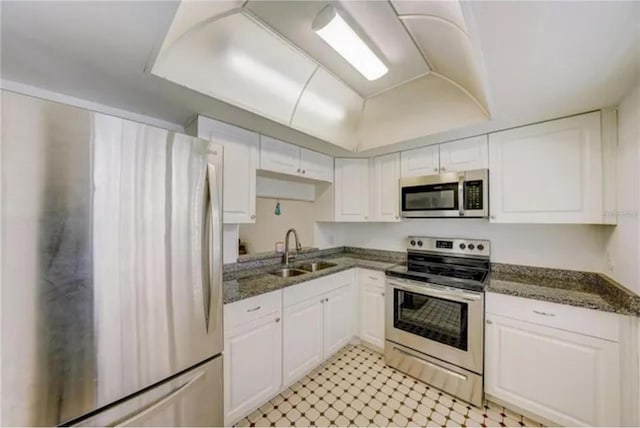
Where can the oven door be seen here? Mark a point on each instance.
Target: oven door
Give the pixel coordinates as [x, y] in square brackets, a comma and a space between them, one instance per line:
[432, 196]
[443, 322]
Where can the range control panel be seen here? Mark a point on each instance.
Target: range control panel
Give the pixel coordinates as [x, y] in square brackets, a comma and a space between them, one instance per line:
[460, 246]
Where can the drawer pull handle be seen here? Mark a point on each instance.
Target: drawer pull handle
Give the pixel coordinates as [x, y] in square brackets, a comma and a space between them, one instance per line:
[373, 278]
[546, 314]
[489, 322]
[277, 319]
[257, 308]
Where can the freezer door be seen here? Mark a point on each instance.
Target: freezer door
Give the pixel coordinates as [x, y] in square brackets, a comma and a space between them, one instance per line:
[111, 258]
[190, 399]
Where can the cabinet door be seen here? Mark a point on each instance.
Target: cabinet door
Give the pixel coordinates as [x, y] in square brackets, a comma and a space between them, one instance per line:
[372, 313]
[547, 173]
[385, 190]
[464, 155]
[278, 156]
[302, 338]
[240, 164]
[422, 161]
[337, 319]
[568, 378]
[316, 165]
[252, 366]
[351, 189]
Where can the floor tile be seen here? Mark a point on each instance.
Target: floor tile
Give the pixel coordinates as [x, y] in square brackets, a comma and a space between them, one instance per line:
[356, 388]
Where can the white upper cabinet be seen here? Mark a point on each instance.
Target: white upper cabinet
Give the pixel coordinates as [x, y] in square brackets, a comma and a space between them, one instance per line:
[316, 165]
[278, 156]
[285, 158]
[351, 190]
[463, 155]
[422, 161]
[385, 189]
[548, 173]
[240, 164]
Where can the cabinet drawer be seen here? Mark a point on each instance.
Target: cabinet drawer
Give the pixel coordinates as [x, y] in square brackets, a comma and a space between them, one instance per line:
[316, 287]
[372, 278]
[251, 309]
[589, 322]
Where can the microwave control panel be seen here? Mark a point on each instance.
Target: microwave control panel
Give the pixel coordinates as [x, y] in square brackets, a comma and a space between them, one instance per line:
[473, 195]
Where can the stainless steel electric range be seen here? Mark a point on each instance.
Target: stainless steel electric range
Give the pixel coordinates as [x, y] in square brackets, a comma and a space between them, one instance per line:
[434, 322]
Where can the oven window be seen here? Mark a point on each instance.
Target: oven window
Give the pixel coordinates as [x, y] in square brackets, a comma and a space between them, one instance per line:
[441, 320]
[430, 198]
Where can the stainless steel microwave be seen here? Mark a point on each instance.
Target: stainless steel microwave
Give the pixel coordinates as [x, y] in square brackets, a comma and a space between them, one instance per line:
[453, 194]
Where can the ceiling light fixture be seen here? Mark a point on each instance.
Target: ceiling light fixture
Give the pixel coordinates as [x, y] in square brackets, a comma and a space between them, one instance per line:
[334, 30]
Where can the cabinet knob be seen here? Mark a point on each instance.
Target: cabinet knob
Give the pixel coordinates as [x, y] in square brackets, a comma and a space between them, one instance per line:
[253, 217]
[298, 169]
[492, 217]
[397, 217]
[443, 169]
[304, 171]
[435, 169]
[366, 217]
[277, 319]
[382, 294]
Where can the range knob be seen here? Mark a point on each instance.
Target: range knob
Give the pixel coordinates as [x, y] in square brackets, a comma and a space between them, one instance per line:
[462, 246]
[480, 247]
[419, 243]
[413, 243]
[471, 246]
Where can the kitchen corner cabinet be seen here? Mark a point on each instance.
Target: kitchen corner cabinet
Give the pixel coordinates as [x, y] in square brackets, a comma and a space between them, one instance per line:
[550, 172]
[352, 190]
[559, 362]
[371, 284]
[240, 164]
[284, 158]
[252, 354]
[385, 189]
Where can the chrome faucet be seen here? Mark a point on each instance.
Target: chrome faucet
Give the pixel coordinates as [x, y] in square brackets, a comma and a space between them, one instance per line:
[288, 256]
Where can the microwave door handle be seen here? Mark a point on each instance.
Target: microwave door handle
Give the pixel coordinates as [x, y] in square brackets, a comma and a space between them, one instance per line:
[461, 195]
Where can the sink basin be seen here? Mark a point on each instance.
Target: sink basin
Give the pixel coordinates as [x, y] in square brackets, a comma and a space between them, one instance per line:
[287, 272]
[316, 266]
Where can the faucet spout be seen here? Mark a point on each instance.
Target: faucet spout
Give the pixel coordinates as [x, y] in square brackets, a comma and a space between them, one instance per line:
[287, 254]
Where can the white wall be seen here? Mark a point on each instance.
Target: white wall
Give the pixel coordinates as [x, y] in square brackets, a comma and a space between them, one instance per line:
[623, 246]
[270, 228]
[577, 247]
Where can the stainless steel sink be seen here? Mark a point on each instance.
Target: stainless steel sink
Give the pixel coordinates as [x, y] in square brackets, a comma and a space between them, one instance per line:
[287, 272]
[315, 266]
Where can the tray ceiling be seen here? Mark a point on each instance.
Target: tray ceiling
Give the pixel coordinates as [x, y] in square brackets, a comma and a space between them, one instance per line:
[263, 56]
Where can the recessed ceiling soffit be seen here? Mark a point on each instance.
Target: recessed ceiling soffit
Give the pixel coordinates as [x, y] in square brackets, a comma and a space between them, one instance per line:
[263, 56]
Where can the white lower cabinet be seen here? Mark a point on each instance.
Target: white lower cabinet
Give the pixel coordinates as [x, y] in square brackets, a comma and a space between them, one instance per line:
[337, 319]
[302, 339]
[317, 322]
[371, 284]
[252, 354]
[567, 377]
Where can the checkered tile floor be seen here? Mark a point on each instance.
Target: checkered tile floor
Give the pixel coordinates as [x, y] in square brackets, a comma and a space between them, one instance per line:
[356, 388]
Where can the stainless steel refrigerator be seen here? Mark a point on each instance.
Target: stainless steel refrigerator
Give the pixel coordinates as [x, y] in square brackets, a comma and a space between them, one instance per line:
[111, 270]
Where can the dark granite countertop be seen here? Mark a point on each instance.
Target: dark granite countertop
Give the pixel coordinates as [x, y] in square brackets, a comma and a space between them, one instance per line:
[250, 277]
[584, 289]
[241, 283]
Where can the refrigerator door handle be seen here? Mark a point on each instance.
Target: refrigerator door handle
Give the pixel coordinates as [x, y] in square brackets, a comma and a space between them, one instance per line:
[138, 418]
[214, 252]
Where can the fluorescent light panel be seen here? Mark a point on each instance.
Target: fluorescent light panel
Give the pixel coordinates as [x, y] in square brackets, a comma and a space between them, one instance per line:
[341, 37]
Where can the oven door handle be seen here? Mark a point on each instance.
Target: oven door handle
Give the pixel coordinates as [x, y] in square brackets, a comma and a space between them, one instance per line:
[462, 297]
